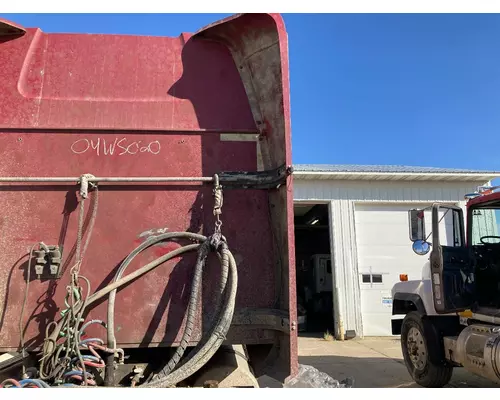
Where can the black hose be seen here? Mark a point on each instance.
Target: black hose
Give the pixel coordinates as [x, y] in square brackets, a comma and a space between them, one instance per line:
[192, 308]
[51, 340]
[203, 251]
[109, 371]
[204, 352]
[170, 366]
[191, 314]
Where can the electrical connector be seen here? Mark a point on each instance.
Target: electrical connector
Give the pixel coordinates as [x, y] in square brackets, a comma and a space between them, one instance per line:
[39, 269]
[54, 269]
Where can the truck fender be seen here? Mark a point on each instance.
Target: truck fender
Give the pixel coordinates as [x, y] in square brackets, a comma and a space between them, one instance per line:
[402, 304]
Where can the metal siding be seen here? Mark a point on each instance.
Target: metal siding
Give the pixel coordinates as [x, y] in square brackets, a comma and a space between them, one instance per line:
[337, 296]
[381, 191]
[346, 265]
[350, 168]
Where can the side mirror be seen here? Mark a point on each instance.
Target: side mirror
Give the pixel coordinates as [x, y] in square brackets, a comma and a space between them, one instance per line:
[421, 247]
[417, 225]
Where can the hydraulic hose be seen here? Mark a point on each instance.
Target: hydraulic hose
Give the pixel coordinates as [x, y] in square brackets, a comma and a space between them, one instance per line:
[72, 316]
[36, 382]
[203, 250]
[208, 346]
[204, 352]
[51, 339]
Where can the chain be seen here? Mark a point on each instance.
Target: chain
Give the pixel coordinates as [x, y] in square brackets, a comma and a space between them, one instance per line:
[217, 192]
[216, 239]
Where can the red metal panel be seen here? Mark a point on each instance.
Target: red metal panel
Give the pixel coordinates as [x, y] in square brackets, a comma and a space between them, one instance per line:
[120, 82]
[259, 45]
[116, 105]
[483, 198]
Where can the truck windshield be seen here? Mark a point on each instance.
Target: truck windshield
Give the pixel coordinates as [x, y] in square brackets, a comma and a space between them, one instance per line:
[485, 225]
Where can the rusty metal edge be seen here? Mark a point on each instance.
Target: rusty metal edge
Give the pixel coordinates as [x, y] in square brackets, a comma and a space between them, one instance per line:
[8, 28]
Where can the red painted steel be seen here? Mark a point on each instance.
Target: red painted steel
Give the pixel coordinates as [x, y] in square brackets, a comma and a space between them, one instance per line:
[114, 105]
[484, 198]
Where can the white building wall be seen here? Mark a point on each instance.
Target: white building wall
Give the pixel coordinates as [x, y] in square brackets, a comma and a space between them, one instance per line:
[414, 191]
[343, 196]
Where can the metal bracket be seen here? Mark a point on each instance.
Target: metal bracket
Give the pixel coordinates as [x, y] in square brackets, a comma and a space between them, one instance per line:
[264, 318]
[10, 361]
[271, 179]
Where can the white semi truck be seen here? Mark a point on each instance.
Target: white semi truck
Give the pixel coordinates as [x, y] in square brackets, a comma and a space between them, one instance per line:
[451, 317]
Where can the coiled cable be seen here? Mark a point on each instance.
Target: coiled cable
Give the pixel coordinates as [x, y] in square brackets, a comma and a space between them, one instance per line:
[207, 346]
[203, 250]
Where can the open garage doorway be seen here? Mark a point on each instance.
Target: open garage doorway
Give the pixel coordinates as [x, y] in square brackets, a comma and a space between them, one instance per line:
[313, 268]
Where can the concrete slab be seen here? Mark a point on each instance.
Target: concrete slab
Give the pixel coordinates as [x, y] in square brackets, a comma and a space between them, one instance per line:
[372, 362]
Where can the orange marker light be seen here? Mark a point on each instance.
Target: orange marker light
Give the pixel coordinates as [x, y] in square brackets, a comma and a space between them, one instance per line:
[403, 277]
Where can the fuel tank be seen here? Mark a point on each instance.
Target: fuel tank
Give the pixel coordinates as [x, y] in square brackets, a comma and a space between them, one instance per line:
[477, 349]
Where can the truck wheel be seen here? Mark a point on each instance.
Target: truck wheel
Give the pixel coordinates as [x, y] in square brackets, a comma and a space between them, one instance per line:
[423, 352]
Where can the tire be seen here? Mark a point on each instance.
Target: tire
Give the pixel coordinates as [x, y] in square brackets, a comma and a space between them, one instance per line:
[423, 352]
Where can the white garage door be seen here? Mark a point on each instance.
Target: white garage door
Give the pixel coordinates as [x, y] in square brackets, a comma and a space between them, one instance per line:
[384, 252]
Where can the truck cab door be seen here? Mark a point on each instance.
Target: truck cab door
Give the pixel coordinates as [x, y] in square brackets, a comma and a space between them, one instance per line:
[452, 274]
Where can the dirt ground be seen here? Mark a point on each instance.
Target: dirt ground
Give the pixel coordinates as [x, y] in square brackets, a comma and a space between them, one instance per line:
[372, 362]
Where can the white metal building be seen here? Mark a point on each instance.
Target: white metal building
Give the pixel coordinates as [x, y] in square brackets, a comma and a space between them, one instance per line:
[368, 230]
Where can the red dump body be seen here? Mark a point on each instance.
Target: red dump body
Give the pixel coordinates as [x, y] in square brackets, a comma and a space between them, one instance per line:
[140, 106]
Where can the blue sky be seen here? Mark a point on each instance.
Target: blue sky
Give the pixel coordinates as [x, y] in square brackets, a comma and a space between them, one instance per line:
[412, 89]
